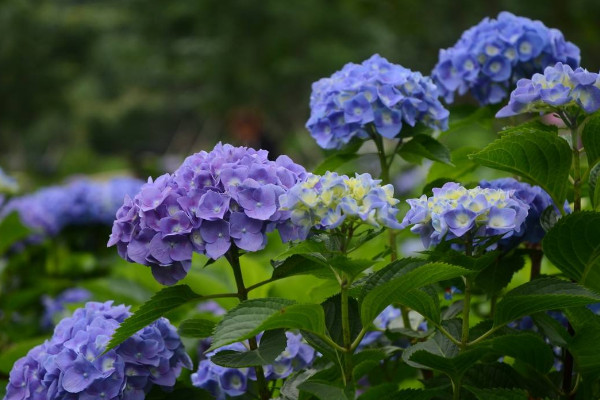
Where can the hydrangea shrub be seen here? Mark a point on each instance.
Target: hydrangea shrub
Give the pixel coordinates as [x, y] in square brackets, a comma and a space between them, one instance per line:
[493, 55]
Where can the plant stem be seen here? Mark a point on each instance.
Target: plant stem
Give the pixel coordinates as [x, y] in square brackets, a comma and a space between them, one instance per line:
[234, 260]
[464, 339]
[346, 334]
[576, 167]
[455, 390]
[535, 255]
[385, 179]
[568, 357]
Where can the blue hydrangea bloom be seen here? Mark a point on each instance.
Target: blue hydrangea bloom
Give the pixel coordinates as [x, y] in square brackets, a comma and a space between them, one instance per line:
[537, 200]
[375, 93]
[492, 56]
[557, 88]
[71, 366]
[224, 382]
[229, 196]
[55, 307]
[81, 202]
[453, 211]
[328, 201]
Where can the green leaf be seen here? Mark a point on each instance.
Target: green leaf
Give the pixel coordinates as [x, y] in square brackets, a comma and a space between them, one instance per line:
[162, 302]
[440, 354]
[537, 155]
[196, 328]
[590, 137]
[300, 264]
[333, 162]
[365, 360]
[425, 146]
[498, 393]
[463, 167]
[333, 318]
[393, 270]
[552, 329]
[398, 288]
[337, 158]
[325, 390]
[390, 391]
[526, 347]
[594, 188]
[496, 276]
[257, 315]
[541, 295]
[289, 389]
[11, 231]
[349, 266]
[493, 375]
[585, 347]
[272, 344]
[573, 246]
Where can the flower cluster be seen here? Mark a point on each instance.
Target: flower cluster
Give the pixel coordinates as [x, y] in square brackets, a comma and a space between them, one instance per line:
[537, 200]
[490, 57]
[228, 196]
[71, 366]
[558, 87]
[327, 201]
[453, 211]
[56, 307]
[222, 381]
[81, 202]
[375, 92]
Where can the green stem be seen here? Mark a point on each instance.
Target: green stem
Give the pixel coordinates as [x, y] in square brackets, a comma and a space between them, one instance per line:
[385, 179]
[467, 299]
[346, 334]
[234, 260]
[464, 338]
[455, 390]
[576, 168]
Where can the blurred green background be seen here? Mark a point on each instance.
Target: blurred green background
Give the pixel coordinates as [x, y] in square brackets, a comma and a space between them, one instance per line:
[92, 86]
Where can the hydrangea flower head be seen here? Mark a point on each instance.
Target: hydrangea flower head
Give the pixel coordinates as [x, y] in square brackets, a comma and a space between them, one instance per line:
[328, 201]
[453, 212]
[229, 196]
[376, 93]
[537, 200]
[70, 365]
[54, 307]
[559, 87]
[80, 202]
[492, 56]
[224, 382]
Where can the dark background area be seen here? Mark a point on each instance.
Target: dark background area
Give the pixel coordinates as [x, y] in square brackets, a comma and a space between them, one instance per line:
[125, 85]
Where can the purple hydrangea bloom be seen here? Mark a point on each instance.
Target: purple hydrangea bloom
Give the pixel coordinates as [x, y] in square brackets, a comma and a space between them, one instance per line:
[224, 382]
[557, 88]
[375, 94]
[229, 196]
[492, 56]
[55, 307]
[330, 200]
[81, 202]
[537, 200]
[71, 366]
[453, 211]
